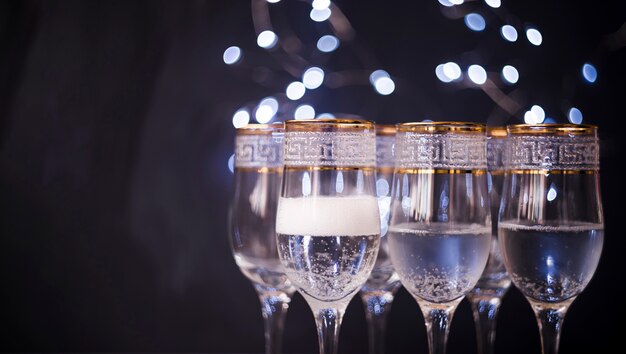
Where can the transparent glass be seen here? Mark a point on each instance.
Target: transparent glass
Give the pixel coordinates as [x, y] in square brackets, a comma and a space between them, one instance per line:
[258, 174]
[378, 292]
[486, 297]
[327, 225]
[551, 225]
[440, 227]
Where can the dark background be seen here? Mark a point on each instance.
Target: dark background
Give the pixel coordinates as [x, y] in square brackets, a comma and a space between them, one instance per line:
[115, 132]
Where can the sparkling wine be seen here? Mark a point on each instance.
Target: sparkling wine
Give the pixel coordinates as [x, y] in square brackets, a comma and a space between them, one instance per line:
[551, 264]
[439, 262]
[328, 245]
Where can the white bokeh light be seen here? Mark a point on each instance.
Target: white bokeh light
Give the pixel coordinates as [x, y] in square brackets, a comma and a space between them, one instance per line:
[267, 39]
[539, 113]
[493, 3]
[231, 163]
[241, 118]
[452, 70]
[266, 110]
[232, 55]
[384, 86]
[446, 3]
[273, 1]
[327, 43]
[590, 73]
[377, 74]
[320, 4]
[551, 196]
[326, 115]
[510, 74]
[304, 111]
[575, 116]
[477, 74]
[295, 90]
[475, 22]
[457, 2]
[320, 15]
[313, 78]
[441, 75]
[509, 33]
[534, 36]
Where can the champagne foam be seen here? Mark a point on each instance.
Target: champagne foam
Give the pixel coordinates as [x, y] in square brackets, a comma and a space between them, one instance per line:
[328, 216]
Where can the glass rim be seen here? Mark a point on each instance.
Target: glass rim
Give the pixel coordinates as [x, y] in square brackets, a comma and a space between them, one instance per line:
[497, 131]
[260, 129]
[552, 129]
[445, 126]
[386, 129]
[324, 124]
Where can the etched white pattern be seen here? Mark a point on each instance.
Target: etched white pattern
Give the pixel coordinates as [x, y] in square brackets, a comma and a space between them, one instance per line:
[385, 150]
[495, 153]
[552, 153]
[347, 149]
[256, 151]
[446, 151]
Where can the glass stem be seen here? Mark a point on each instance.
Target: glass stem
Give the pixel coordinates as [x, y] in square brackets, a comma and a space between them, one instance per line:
[274, 306]
[485, 312]
[328, 321]
[550, 320]
[438, 318]
[376, 309]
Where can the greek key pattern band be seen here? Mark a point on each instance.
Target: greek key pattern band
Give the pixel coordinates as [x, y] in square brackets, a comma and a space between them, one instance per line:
[495, 153]
[336, 149]
[552, 153]
[385, 150]
[444, 151]
[257, 151]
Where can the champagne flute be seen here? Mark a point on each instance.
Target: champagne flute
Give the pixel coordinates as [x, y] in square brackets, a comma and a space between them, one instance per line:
[487, 295]
[551, 225]
[258, 174]
[439, 231]
[378, 292]
[327, 225]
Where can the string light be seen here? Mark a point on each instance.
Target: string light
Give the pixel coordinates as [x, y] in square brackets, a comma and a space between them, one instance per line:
[232, 55]
[477, 74]
[575, 116]
[295, 90]
[267, 39]
[241, 118]
[509, 33]
[384, 86]
[475, 22]
[493, 3]
[534, 36]
[535, 115]
[266, 110]
[320, 4]
[320, 15]
[510, 75]
[313, 78]
[452, 70]
[446, 3]
[327, 43]
[590, 73]
[304, 111]
[441, 75]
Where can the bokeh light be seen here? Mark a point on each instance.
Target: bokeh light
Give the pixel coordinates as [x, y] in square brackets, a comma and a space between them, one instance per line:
[590, 73]
[475, 22]
[295, 90]
[535, 115]
[231, 163]
[267, 39]
[509, 33]
[441, 75]
[456, 2]
[313, 77]
[232, 55]
[376, 75]
[477, 74]
[575, 116]
[320, 15]
[452, 70]
[266, 110]
[304, 111]
[241, 118]
[320, 4]
[273, 1]
[384, 86]
[510, 74]
[493, 3]
[327, 43]
[534, 36]
[326, 115]
[446, 3]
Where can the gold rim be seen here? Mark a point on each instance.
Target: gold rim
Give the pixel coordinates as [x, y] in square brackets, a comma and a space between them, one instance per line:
[261, 129]
[329, 168]
[434, 171]
[386, 129]
[328, 124]
[552, 129]
[437, 127]
[496, 132]
[260, 169]
[550, 172]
